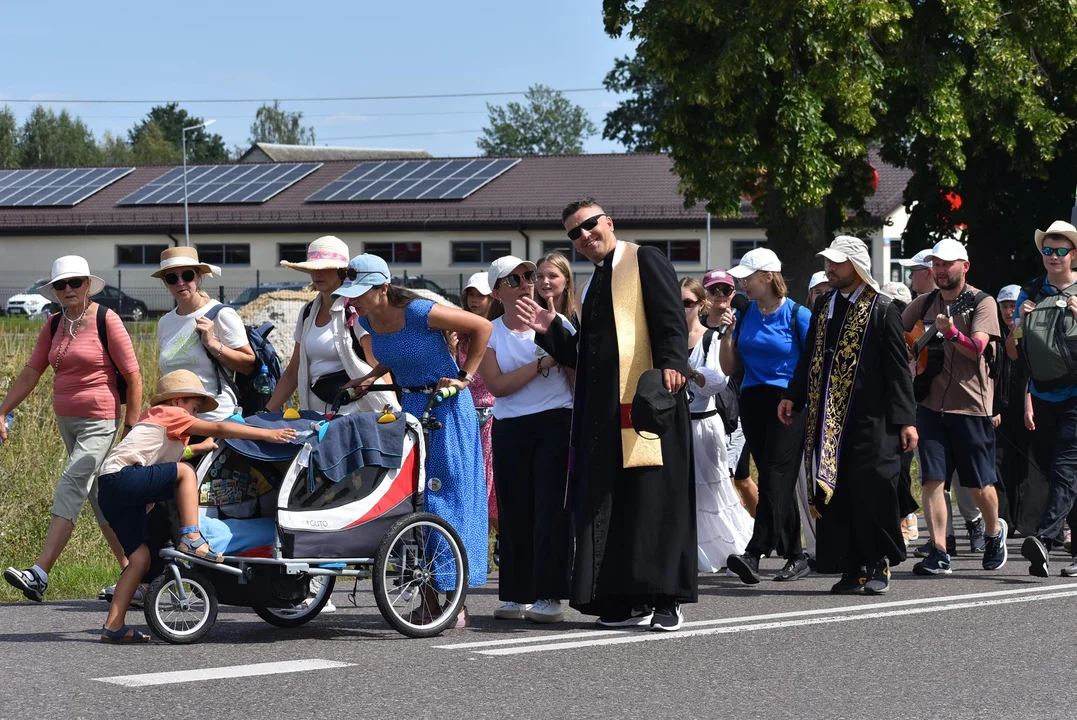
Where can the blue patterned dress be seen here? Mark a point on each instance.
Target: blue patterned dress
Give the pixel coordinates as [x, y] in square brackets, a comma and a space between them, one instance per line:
[455, 477]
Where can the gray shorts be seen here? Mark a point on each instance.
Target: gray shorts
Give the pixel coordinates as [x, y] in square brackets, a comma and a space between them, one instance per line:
[88, 442]
[734, 447]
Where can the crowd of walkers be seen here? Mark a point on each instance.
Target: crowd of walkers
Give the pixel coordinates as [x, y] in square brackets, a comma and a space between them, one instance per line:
[606, 433]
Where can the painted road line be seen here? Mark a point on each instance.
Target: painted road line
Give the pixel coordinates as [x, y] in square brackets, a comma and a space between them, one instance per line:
[802, 622]
[221, 673]
[862, 607]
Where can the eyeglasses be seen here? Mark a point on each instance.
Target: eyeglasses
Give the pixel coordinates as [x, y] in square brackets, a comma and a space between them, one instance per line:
[187, 275]
[74, 283]
[1061, 252]
[588, 224]
[720, 290]
[514, 280]
[919, 268]
[689, 303]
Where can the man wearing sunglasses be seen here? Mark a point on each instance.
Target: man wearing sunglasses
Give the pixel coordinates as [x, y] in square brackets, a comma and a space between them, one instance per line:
[632, 497]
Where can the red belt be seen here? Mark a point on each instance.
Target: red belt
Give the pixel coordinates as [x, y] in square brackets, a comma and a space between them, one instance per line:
[626, 417]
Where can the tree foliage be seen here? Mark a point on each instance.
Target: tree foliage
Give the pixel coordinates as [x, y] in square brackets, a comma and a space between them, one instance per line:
[272, 124]
[9, 139]
[634, 122]
[49, 140]
[202, 146]
[546, 124]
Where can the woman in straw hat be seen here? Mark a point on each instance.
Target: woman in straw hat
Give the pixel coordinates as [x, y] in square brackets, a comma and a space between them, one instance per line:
[331, 348]
[189, 340]
[86, 401]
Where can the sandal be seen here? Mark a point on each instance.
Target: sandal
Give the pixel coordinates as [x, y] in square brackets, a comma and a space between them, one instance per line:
[189, 546]
[126, 635]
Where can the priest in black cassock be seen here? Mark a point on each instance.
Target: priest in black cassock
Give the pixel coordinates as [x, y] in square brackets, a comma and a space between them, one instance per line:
[856, 385]
[632, 497]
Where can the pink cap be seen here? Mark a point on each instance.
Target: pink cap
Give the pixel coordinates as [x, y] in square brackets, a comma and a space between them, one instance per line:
[718, 277]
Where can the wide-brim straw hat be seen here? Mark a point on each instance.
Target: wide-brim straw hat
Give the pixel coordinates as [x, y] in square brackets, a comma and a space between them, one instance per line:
[181, 384]
[325, 253]
[183, 257]
[68, 266]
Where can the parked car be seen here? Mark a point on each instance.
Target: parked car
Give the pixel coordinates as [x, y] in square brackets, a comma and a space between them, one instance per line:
[421, 283]
[27, 303]
[116, 300]
[253, 292]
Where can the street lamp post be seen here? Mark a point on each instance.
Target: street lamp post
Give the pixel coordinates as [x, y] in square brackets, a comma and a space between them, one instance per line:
[183, 143]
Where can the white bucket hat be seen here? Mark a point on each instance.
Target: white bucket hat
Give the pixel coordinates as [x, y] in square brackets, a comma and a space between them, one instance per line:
[851, 249]
[181, 257]
[68, 266]
[326, 253]
[758, 260]
[898, 291]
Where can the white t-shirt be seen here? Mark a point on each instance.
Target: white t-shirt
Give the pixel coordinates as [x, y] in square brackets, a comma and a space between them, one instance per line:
[714, 380]
[516, 349]
[322, 357]
[182, 349]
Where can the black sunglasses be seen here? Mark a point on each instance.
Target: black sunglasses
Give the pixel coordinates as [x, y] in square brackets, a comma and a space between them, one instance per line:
[588, 224]
[74, 283]
[720, 290]
[352, 274]
[1061, 252]
[514, 280]
[173, 278]
[689, 303]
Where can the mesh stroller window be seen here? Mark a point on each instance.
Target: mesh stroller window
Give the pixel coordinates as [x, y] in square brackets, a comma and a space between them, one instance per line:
[328, 494]
[242, 487]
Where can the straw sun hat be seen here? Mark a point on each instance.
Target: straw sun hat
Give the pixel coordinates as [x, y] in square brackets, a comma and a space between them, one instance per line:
[325, 253]
[181, 384]
[182, 257]
[68, 266]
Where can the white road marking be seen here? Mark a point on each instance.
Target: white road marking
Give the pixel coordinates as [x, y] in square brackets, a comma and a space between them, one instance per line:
[221, 673]
[636, 637]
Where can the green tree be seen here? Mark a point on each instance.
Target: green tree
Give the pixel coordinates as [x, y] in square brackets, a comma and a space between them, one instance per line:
[275, 125]
[547, 124]
[153, 148]
[9, 139]
[170, 119]
[115, 151]
[634, 122]
[50, 140]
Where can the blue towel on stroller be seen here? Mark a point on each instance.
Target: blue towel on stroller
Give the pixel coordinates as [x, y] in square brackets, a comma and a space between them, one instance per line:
[262, 450]
[354, 441]
[230, 537]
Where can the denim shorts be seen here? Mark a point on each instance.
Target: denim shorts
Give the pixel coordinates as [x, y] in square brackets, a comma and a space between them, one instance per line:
[124, 496]
[949, 442]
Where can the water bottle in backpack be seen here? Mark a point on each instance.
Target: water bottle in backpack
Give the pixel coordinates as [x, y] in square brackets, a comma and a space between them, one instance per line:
[9, 420]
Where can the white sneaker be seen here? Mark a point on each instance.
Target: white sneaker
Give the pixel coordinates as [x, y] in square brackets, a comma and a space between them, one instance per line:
[913, 528]
[329, 606]
[511, 611]
[545, 611]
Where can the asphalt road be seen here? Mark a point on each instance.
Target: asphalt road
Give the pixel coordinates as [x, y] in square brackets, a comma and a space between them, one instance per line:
[974, 644]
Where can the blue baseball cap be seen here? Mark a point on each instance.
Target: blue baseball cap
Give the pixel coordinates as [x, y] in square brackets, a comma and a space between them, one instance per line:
[364, 272]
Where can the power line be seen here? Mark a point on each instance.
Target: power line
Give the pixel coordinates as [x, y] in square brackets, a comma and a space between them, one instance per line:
[396, 135]
[341, 116]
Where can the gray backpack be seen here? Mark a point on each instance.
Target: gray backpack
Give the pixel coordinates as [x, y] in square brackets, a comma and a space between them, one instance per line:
[1049, 341]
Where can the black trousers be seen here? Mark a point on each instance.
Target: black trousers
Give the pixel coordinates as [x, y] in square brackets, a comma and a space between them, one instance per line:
[1054, 447]
[534, 528]
[778, 450]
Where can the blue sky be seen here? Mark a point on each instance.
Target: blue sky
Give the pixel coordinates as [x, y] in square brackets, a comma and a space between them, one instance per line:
[60, 52]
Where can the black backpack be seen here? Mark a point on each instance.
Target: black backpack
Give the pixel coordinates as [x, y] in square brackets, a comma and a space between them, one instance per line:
[725, 402]
[265, 355]
[102, 334]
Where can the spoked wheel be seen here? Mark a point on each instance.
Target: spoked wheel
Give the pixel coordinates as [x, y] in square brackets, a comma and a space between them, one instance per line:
[420, 575]
[321, 590]
[181, 617]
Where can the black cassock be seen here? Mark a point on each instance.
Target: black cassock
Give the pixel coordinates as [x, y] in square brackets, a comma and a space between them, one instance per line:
[635, 527]
[862, 522]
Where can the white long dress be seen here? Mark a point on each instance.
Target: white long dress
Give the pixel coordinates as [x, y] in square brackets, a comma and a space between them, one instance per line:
[723, 526]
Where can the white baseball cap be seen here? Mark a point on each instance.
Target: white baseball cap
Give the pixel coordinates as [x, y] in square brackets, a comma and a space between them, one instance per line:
[948, 250]
[758, 260]
[1009, 293]
[504, 266]
[480, 282]
[817, 279]
[921, 258]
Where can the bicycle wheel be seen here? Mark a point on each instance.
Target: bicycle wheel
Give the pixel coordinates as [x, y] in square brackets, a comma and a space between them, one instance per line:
[177, 621]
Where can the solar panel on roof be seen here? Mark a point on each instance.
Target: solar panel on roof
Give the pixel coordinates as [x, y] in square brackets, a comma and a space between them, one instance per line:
[221, 184]
[413, 180]
[54, 188]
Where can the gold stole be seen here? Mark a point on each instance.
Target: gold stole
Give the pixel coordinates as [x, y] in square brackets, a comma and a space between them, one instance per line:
[633, 351]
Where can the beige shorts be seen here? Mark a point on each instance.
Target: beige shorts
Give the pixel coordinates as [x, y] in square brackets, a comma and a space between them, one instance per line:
[88, 442]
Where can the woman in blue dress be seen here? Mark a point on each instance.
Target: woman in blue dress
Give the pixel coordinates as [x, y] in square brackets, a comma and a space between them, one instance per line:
[408, 338]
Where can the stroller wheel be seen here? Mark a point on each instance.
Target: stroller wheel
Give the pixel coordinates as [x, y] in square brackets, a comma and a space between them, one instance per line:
[420, 575]
[305, 611]
[181, 612]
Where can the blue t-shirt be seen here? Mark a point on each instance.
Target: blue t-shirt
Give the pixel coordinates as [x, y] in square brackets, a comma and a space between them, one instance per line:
[1061, 394]
[768, 349]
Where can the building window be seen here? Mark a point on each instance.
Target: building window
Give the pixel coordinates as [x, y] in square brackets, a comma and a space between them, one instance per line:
[480, 253]
[291, 252]
[739, 248]
[139, 254]
[225, 253]
[399, 253]
[564, 247]
[678, 251]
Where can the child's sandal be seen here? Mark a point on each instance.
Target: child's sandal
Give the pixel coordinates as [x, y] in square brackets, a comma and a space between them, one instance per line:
[124, 636]
[189, 546]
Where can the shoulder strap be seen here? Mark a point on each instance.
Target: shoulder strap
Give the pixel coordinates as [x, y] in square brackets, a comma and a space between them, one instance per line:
[102, 332]
[306, 310]
[794, 325]
[54, 324]
[929, 302]
[708, 337]
[219, 369]
[214, 311]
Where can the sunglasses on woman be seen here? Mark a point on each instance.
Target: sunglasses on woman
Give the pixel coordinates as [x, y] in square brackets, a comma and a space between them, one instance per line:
[514, 280]
[689, 303]
[588, 224]
[720, 290]
[73, 283]
[1061, 252]
[173, 278]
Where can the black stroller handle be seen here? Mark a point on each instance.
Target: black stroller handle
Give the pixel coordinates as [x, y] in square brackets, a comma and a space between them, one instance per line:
[436, 396]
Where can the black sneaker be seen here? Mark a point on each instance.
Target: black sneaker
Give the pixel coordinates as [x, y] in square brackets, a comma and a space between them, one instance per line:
[1033, 550]
[995, 552]
[937, 563]
[627, 618]
[794, 569]
[878, 582]
[668, 619]
[27, 582]
[977, 539]
[746, 567]
[851, 583]
[924, 550]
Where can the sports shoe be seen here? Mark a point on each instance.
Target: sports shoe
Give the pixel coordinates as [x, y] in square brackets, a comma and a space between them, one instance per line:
[924, 550]
[545, 611]
[878, 582]
[936, 563]
[27, 582]
[511, 611]
[977, 540]
[626, 618]
[794, 569]
[995, 552]
[1033, 550]
[912, 527]
[668, 619]
[329, 607]
[851, 583]
[746, 567]
[1070, 571]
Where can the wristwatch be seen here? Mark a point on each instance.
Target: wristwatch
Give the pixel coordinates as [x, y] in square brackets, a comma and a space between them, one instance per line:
[464, 377]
